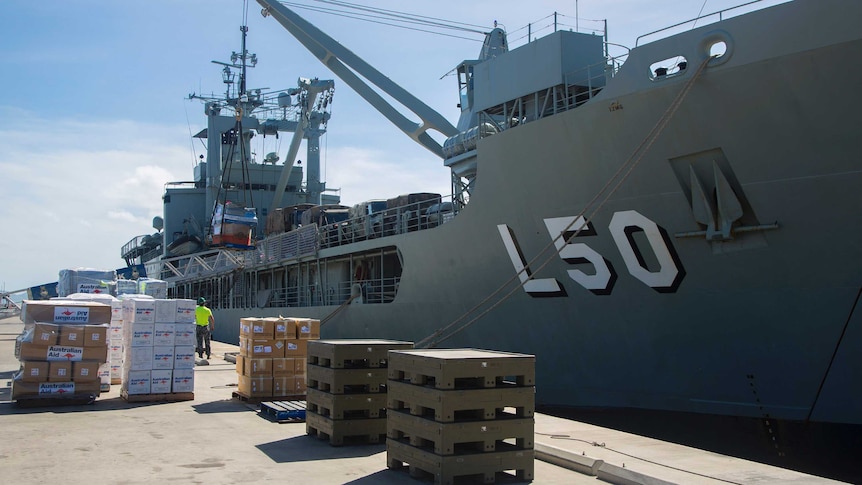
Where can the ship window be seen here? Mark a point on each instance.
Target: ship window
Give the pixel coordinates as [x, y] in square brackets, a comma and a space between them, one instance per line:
[672, 66]
[717, 49]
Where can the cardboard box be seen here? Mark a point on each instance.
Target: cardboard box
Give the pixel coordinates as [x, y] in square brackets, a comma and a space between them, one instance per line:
[22, 389]
[115, 331]
[139, 310]
[46, 333]
[184, 334]
[163, 357]
[95, 354]
[137, 358]
[283, 367]
[164, 334]
[137, 381]
[116, 373]
[255, 386]
[86, 371]
[243, 346]
[185, 311]
[116, 311]
[263, 328]
[165, 311]
[245, 324]
[115, 351]
[307, 328]
[139, 334]
[72, 335]
[60, 371]
[282, 386]
[184, 357]
[295, 347]
[104, 373]
[255, 367]
[260, 348]
[299, 385]
[95, 335]
[285, 328]
[70, 312]
[51, 353]
[183, 380]
[299, 365]
[161, 381]
[32, 371]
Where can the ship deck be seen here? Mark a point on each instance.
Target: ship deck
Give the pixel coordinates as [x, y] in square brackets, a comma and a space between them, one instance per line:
[217, 439]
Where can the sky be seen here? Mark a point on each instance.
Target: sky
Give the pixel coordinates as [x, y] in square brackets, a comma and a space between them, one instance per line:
[95, 117]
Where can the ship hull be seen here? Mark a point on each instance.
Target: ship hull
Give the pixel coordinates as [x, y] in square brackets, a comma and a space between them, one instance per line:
[762, 324]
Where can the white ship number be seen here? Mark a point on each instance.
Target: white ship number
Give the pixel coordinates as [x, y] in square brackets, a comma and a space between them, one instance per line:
[623, 225]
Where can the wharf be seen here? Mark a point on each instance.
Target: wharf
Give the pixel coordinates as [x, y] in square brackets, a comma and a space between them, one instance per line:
[216, 439]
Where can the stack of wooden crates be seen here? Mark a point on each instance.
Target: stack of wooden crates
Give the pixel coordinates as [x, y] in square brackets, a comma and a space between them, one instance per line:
[457, 412]
[346, 401]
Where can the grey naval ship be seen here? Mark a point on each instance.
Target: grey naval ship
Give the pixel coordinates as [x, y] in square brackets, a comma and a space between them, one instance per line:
[672, 230]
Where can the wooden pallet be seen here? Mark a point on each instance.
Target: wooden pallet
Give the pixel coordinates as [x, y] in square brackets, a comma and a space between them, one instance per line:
[346, 381]
[353, 353]
[446, 406]
[346, 406]
[490, 466]
[39, 402]
[345, 431]
[462, 368]
[166, 397]
[462, 437]
[283, 411]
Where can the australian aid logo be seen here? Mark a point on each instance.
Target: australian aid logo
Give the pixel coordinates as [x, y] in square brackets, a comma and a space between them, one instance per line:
[59, 388]
[66, 314]
[61, 352]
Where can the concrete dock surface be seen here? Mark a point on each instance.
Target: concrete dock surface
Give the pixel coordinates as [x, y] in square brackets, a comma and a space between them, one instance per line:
[217, 439]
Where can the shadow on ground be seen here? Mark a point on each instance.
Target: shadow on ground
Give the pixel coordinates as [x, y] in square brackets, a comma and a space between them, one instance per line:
[309, 448]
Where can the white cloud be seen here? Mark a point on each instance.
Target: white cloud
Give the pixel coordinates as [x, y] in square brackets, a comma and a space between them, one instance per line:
[75, 191]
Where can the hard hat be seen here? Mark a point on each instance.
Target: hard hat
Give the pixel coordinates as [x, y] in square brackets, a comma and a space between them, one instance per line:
[201, 300]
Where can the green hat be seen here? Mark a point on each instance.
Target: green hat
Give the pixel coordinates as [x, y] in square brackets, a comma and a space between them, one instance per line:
[201, 300]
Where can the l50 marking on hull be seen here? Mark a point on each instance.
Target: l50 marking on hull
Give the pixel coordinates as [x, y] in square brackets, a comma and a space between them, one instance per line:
[622, 227]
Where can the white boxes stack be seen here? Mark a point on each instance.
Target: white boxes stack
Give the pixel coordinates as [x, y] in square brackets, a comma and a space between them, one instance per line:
[158, 346]
[115, 342]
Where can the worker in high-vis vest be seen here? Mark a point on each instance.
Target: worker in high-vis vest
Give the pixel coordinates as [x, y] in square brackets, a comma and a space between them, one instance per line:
[205, 324]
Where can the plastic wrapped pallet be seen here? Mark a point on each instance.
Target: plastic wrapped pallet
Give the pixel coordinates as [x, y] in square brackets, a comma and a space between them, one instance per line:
[126, 287]
[62, 347]
[153, 287]
[85, 280]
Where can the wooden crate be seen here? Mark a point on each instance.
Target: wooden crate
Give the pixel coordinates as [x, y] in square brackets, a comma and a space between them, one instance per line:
[347, 406]
[444, 469]
[460, 438]
[461, 368]
[345, 431]
[353, 353]
[344, 381]
[447, 406]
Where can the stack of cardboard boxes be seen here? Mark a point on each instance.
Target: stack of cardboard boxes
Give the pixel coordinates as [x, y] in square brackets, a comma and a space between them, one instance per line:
[61, 349]
[272, 356]
[158, 346]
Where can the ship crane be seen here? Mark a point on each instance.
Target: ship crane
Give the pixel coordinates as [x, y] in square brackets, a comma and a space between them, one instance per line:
[340, 60]
[345, 64]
